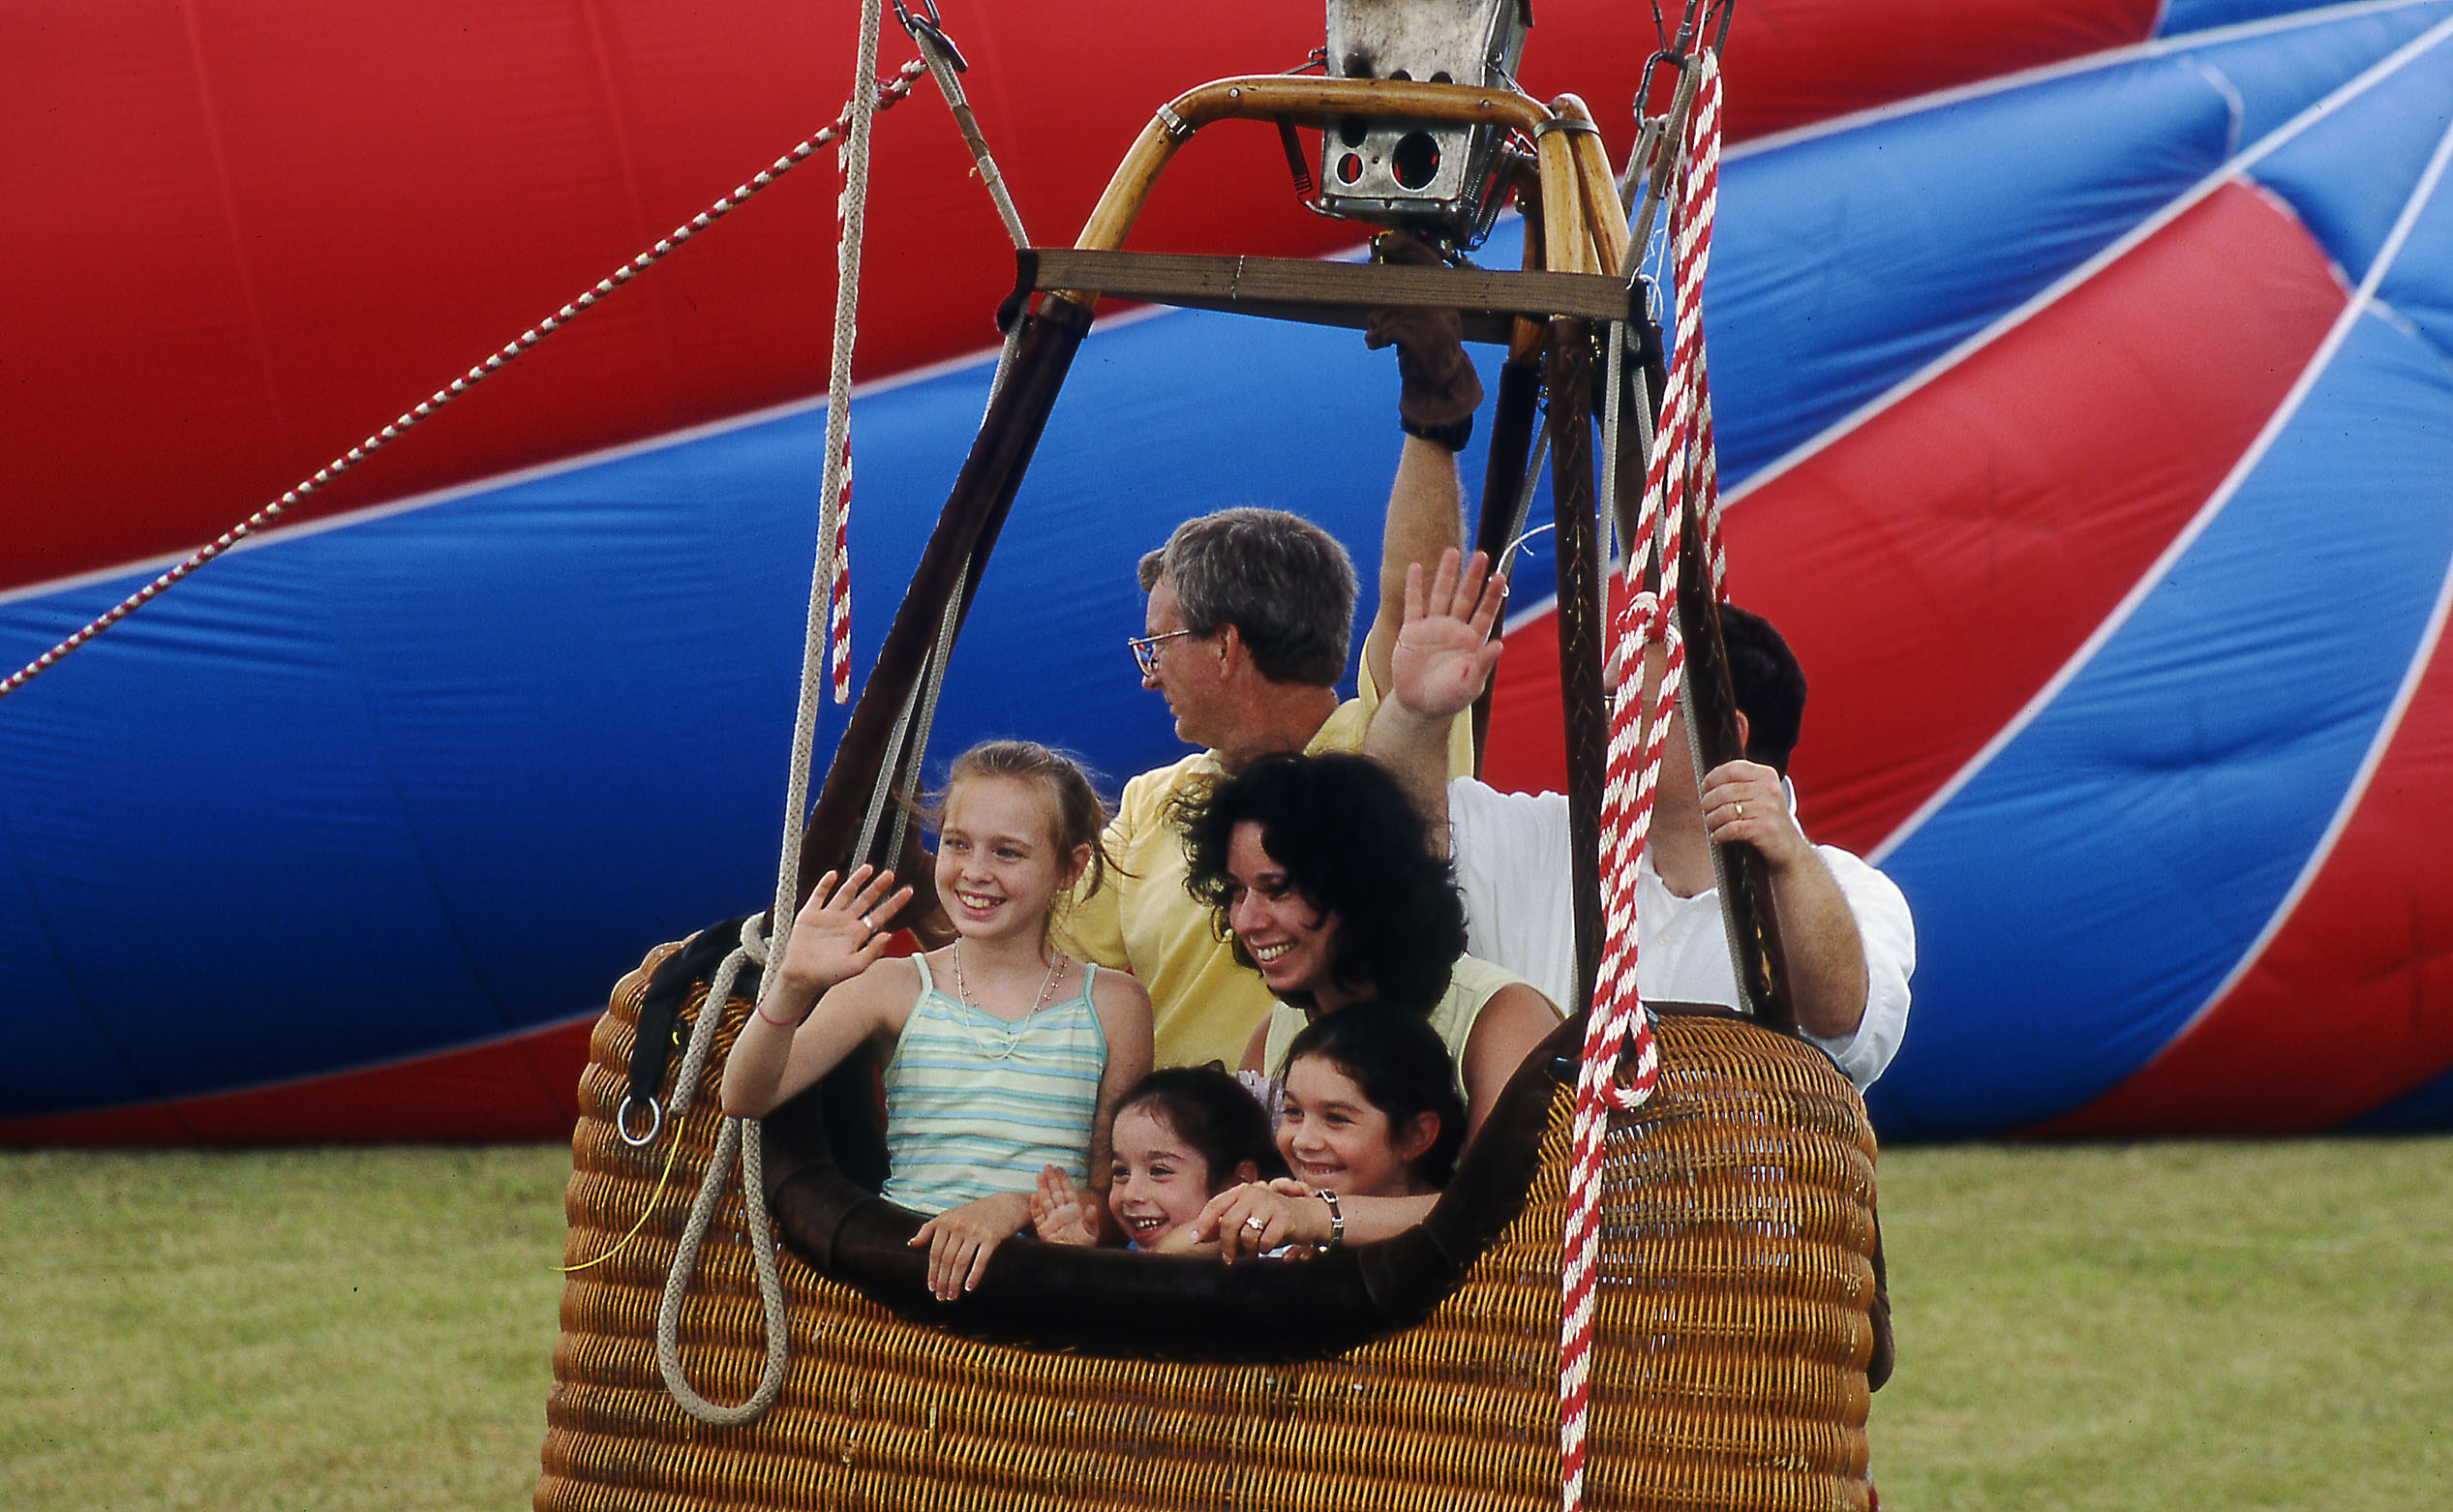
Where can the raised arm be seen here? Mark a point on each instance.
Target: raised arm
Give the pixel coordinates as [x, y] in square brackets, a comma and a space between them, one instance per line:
[1441, 658]
[1425, 521]
[824, 1001]
[1438, 392]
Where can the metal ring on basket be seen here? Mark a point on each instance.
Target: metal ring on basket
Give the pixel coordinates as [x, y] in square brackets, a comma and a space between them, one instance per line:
[622, 1124]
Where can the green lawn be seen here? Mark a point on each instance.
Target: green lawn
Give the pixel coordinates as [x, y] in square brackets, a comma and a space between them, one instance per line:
[2177, 1326]
[325, 1328]
[2174, 1326]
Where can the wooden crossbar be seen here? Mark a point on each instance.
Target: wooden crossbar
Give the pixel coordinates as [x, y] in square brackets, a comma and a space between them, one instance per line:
[1321, 293]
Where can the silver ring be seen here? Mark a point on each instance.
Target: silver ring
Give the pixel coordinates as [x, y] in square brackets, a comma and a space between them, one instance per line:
[1742, 810]
[621, 1123]
[866, 924]
[1256, 1223]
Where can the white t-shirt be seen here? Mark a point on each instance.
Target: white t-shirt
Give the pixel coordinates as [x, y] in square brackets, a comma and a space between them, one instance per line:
[1514, 867]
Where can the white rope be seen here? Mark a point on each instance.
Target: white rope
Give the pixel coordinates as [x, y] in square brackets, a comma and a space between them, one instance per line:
[1614, 371]
[734, 1136]
[899, 772]
[1639, 243]
[945, 67]
[741, 1134]
[854, 152]
[1004, 367]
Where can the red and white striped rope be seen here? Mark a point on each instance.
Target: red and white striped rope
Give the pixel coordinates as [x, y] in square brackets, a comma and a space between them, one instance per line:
[890, 92]
[838, 647]
[833, 576]
[1616, 1030]
[1708, 483]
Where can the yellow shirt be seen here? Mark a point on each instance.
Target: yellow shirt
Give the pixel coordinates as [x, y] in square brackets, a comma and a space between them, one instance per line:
[1204, 1005]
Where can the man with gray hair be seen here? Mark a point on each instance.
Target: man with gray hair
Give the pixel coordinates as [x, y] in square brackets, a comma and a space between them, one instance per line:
[1249, 617]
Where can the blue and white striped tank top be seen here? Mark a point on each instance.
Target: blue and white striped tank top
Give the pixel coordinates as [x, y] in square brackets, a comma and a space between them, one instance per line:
[975, 1106]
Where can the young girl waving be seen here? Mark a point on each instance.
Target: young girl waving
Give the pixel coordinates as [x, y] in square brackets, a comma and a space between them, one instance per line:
[1006, 1054]
[1183, 1134]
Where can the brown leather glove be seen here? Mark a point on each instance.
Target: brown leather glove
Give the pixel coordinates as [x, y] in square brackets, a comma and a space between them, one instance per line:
[1438, 389]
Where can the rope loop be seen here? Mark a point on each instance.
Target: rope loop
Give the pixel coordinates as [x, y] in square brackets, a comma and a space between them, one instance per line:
[1644, 619]
[753, 938]
[738, 1136]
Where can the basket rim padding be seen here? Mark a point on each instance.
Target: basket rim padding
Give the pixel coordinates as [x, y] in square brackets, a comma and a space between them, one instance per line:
[1187, 1308]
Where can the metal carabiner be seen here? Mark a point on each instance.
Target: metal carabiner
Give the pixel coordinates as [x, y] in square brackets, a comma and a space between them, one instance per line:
[914, 25]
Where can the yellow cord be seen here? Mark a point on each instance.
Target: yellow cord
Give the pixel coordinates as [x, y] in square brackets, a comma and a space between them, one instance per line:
[649, 1209]
[644, 1216]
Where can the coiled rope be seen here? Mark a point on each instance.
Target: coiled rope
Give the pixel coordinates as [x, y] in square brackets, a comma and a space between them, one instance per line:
[1616, 1028]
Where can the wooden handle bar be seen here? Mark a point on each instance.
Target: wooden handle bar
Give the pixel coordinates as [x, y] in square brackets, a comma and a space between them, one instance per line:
[1325, 293]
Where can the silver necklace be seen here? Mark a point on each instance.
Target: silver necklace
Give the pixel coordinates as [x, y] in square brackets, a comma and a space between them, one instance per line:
[963, 989]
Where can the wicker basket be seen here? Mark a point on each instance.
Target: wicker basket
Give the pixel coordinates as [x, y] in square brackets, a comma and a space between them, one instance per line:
[1729, 1364]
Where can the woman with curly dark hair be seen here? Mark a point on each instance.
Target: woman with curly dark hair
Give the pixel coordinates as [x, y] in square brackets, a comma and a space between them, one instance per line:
[1321, 873]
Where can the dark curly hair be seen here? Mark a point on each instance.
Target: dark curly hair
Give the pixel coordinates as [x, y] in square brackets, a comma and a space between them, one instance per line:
[1399, 1067]
[1207, 1108]
[1352, 846]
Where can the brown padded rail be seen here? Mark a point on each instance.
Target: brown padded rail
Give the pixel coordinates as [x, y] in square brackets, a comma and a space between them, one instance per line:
[1732, 1335]
[1182, 1307]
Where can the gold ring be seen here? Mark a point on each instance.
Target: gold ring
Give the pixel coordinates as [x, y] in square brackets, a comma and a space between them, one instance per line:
[1742, 810]
[1256, 1223]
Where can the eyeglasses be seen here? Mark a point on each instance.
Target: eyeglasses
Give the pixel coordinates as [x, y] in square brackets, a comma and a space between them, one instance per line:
[1145, 650]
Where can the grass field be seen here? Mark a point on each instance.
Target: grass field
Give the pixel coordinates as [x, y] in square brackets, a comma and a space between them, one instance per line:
[2171, 1326]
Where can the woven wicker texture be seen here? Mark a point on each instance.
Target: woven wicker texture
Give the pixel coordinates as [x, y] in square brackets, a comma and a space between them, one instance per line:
[1729, 1366]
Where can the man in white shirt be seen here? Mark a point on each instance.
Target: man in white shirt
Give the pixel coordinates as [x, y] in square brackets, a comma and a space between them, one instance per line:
[1844, 926]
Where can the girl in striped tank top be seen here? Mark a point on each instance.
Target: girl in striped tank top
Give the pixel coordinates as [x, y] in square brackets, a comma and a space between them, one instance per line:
[1005, 1054]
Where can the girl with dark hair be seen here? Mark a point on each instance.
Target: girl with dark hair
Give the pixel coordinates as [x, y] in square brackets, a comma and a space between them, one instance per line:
[1370, 1106]
[1370, 1125]
[1322, 873]
[1182, 1136]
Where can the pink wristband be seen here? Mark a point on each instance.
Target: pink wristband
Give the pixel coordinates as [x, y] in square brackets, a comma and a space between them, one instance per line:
[780, 1023]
